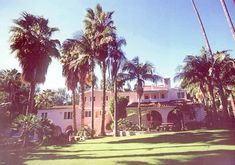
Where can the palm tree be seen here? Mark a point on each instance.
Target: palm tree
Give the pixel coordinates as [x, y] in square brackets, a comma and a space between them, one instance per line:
[196, 73]
[31, 40]
[139, 72]
[99, 27]
[71, 75]
[203, 29]
[84, 64]
[81, 64]
[116, 61]
[228, 18]
[224, 74]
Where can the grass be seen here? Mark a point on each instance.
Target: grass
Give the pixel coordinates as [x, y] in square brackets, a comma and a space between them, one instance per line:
[199, 147]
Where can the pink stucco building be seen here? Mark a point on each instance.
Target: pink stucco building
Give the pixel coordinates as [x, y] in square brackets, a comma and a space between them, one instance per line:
[157, 104]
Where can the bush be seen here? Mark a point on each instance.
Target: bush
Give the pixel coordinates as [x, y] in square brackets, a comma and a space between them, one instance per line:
[126, 125]
[193, 125]
[122, 103]
[85, 133]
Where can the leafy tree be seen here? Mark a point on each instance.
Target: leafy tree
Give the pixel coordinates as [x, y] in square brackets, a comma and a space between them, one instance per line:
[31, 40]
[61, 97]
[122, 103]
[14, 92]
[140, 72]
[45, 99]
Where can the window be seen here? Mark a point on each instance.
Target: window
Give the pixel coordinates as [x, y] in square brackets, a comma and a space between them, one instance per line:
[180, 95]
[146, 97]
[162, 96]
[44, 115]
[97, 114]
[68, 115]
[87, 113]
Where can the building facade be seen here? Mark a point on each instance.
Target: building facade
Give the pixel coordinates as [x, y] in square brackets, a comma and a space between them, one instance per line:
[158, 104]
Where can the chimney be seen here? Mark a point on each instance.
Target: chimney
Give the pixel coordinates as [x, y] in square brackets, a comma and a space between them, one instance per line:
[167, 82]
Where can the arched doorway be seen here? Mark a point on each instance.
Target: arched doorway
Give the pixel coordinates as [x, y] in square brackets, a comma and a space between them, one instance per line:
[176, 116]
[155, 119]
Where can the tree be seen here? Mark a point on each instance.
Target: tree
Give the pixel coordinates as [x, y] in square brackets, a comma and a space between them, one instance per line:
[99, 27]
[224, 75]
[15, 91]
[140, 72]
[195, 73]
[81, 64]
[61, 97]
[116, 62]
[121, 105]
[45, 99]
[31, 40]
[228, 18]
[71, 75]
[27, 125]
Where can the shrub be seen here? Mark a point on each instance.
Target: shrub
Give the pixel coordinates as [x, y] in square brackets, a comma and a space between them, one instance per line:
[124, 124]
[192, 125]
[85, 133]
[121, 107]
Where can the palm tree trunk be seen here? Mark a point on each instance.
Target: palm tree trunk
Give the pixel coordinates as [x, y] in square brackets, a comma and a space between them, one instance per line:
[115, 108]
[92, 95]
[74, 112]
[139, 110]
[82, 83]
[203, 29]
[228, 18]
[224, 99]
[31, 98]
[211, 92]
[102, 132]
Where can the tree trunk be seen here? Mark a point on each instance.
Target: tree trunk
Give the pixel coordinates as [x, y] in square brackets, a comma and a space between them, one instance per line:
[211, 91]
[224, 99]
[30, 105]
[92, 96]
[139, 110]
[102, 131]
[203, 29]
[74, 112]
[228, 18]
[82, 83]
[115, 109]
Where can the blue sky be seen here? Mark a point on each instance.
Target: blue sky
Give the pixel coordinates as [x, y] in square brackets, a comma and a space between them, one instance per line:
[162, 32]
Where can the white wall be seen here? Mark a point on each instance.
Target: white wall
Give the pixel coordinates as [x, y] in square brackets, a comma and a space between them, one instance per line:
[57, 117]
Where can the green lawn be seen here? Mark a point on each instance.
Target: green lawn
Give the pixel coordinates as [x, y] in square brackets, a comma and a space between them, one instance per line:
[199, 147]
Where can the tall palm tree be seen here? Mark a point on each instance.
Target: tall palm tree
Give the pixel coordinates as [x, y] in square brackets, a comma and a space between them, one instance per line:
[140, 72]
[85, 63]
[99, 27]
[116, 62]
[228, 18]
[196, 72]
[203, 29]
[71, 75]
[81, 64]
[31, 40]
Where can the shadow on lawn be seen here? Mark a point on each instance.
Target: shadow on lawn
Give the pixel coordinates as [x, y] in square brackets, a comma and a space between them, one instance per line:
[223, 138]
[215, 157]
